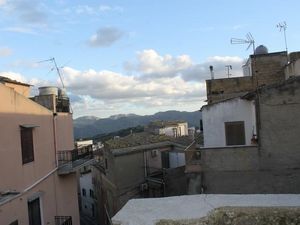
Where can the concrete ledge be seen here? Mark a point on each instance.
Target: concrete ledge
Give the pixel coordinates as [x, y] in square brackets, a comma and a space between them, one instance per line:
[244, 215]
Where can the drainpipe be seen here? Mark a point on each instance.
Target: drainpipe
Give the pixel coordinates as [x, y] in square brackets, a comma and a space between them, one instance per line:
[145, 164]
[54, 139]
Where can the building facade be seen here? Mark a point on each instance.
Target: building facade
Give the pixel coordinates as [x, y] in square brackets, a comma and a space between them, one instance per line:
[264, 158]
[38, 180]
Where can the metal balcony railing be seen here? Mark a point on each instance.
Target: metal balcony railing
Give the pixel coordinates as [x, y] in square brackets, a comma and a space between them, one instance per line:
[63, 220]
[75, 157]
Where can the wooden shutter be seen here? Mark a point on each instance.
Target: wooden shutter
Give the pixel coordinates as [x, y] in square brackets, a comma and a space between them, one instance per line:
[27, 145]
[235, 133]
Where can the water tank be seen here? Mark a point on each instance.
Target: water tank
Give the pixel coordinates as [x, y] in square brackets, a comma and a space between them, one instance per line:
[62, 92]
[49, 90]
[260, 50]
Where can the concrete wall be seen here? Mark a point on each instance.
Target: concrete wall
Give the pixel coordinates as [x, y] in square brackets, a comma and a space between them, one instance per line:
[177, 159]
[280, 126]
[214, 117]
[87, 201]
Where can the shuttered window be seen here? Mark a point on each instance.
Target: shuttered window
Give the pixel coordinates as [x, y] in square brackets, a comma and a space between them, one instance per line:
[235, 133]
[27, 145]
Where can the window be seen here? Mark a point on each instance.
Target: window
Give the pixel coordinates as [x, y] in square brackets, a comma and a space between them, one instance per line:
[165, 160]
[34, 212]
[235, 133]
[83, 192]
[91, 193]
[27, 145]
[106, 164]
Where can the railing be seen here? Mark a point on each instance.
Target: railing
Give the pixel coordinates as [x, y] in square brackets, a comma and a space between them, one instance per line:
[72, 156]
[63, 220]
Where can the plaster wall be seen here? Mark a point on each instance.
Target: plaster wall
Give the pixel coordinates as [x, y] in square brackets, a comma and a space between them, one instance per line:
[214, 117]
[58, 194]
[87, 201]
[177, 159]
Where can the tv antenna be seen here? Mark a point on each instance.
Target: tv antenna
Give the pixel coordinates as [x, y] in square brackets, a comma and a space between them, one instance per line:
[248, 40]
[55, 67]
[282, 27]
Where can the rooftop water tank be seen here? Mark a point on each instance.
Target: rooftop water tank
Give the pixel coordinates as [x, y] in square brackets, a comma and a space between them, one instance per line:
[260, 50]
[49, 90]
[62, 92]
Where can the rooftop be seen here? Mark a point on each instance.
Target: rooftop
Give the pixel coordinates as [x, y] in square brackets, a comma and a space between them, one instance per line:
[145, 138]
[8, 80]
[161, 123]
[190, 207]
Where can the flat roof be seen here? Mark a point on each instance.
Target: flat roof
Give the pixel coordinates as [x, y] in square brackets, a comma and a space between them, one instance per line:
[151, 210]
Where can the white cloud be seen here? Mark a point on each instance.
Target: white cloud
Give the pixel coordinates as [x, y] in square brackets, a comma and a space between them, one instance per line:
[14, 76]
[2, 2]
[149, 65]
[158, 83]
[24, 30]
[5, 51]
[28, 11]
[105, 37]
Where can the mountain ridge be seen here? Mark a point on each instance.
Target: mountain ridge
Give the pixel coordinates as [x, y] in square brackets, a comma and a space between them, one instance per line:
[86, 126]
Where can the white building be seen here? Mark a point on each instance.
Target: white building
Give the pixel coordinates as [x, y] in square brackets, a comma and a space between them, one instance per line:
[87, 194]
[169, 128]
[231, 122]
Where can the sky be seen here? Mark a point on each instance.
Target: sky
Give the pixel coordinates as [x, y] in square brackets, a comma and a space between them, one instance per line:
[136, 56]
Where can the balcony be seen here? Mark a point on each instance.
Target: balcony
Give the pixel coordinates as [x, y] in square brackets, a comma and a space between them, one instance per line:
[70, 161]
[63, 220]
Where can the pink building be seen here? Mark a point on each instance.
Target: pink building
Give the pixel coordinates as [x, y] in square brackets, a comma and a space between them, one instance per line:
[38, 184]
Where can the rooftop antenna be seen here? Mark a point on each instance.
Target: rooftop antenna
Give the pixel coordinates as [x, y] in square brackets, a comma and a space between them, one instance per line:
[229, 67]
[248, 40]
[55, 67]
[283, 26]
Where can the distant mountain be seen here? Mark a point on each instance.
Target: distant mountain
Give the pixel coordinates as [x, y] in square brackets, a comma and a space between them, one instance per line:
[87, 126]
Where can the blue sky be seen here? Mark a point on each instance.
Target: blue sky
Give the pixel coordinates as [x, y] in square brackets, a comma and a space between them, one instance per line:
[136, 56]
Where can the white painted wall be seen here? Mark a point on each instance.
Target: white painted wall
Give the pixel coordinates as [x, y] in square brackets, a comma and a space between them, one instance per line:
[216, 115]
[86, 201]
[293, 69]
[177, 159]
[182, 130]
[84, 143]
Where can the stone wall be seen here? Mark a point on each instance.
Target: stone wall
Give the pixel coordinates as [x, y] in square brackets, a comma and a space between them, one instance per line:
[219, 89]
[269, 68]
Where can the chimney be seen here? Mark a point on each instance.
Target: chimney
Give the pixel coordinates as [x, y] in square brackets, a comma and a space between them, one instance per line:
[211, 68]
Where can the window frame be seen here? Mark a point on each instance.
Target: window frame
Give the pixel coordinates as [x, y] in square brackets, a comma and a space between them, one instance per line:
[235, 142]
[27, 144]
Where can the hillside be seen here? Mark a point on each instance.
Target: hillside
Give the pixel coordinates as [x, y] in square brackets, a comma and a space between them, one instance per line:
[85, 127]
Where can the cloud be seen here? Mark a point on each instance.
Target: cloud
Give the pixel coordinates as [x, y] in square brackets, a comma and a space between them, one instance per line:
[14, 76]
[2, 2]
[105, 37]
[23, 30]
[5, 51]
[93, 10]
[149, 65]
[157, 83]
[28, 11]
